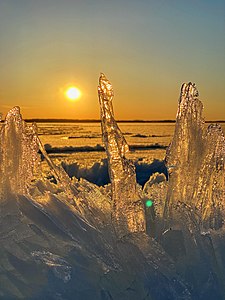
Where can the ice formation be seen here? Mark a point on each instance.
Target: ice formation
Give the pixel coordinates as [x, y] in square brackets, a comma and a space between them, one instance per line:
[127, 206]
[195, 159]
[18, 153]
[74, 240]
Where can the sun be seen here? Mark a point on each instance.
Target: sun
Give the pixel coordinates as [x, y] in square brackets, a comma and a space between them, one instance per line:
[72, 93]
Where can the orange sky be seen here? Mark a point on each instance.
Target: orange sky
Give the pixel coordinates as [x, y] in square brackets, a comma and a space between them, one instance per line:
[147, 49]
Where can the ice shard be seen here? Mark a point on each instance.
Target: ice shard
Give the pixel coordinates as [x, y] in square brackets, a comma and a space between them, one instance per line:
[195, 161]
[128, 213]
[210, 185]
[18, 153]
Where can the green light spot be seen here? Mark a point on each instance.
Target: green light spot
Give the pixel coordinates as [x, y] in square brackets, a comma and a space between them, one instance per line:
[148, 203]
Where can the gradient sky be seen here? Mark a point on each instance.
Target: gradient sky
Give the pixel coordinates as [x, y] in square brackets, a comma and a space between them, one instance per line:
[147, 48]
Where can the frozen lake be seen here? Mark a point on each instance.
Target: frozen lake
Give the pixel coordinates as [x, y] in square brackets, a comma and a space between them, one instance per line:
[61, 135]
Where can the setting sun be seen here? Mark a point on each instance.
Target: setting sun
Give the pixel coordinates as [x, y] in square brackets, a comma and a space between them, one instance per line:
[73, 93]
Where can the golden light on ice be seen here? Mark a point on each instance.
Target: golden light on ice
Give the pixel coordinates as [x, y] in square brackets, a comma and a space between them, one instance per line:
[73, 93]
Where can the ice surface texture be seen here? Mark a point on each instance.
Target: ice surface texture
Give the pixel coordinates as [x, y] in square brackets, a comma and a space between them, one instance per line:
[127, 207]
[18, 153]
[195, 160]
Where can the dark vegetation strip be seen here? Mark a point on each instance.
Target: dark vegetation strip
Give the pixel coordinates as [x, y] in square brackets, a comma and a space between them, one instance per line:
[98, 121]
[98, 148]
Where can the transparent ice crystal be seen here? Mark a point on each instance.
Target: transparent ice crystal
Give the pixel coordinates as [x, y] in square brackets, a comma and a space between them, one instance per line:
[18, 153]
[127, 206]
[195, 161]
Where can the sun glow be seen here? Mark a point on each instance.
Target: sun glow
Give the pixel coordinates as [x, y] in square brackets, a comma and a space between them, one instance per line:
[73, 93]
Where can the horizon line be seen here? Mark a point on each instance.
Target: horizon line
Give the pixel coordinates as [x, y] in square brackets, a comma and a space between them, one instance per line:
[58, 120]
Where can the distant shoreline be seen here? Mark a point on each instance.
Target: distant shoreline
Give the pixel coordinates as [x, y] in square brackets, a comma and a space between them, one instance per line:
[98, 121]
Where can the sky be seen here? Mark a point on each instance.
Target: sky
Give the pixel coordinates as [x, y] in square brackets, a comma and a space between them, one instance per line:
[146, 48]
